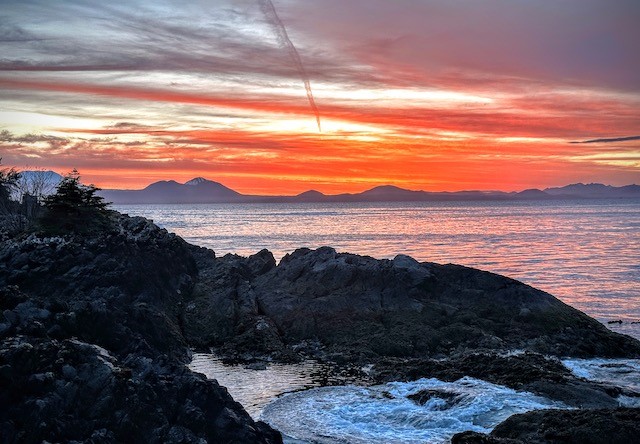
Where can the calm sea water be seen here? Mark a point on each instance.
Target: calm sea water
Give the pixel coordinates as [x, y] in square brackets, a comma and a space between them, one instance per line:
[587, 253]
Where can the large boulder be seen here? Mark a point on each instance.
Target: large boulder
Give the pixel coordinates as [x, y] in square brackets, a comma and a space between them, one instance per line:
[362, 307]
[216, 310]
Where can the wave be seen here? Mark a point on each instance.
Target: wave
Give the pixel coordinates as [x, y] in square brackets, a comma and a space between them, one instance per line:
[426, 410]
[624, 373]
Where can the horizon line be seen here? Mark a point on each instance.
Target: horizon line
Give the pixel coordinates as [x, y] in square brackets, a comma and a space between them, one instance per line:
[369, 188]
[382, 185]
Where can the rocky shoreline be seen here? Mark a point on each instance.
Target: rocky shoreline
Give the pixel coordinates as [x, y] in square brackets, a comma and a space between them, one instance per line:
[91, 345]
[96, 331]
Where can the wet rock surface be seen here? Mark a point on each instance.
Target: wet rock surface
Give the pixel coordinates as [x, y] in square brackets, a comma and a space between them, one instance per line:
[597, 426]
[91, 343]
[424, 396]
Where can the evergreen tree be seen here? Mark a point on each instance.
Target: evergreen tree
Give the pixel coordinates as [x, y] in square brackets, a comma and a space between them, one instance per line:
[74, 207]
[8, 179]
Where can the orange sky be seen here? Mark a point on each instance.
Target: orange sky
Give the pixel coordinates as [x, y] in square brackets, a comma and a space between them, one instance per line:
[421, 95]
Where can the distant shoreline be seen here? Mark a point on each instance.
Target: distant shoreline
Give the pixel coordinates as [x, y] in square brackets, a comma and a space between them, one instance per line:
[203, 191]
[586, 200]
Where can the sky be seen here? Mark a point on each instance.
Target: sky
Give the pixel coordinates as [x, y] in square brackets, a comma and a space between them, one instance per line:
[339, 96]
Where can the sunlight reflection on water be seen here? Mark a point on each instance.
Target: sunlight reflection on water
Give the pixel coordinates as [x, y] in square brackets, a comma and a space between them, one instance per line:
[254, 389]
[585, 252]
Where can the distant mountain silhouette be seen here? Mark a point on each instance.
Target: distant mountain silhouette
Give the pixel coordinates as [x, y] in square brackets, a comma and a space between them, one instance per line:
[36, 183]
[532, 193]
[391, 192]
[196, 190]
[595, 190]
[196, 181]
[201, 190]
[309, 196]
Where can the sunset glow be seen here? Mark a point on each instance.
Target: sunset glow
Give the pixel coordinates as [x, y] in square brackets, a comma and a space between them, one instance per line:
[420, 94]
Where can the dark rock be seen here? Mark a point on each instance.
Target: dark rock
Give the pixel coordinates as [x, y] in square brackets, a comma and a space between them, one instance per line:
[261, 262]
[598, 426]
[364, 308]
[97, 302]
[71, 390]
[447, 399]
[10, 296]
[92, 349]
[469, 437]
[256, 366]
[11, 316]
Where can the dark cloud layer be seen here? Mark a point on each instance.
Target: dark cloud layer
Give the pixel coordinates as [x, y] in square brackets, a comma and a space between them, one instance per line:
[591, 42]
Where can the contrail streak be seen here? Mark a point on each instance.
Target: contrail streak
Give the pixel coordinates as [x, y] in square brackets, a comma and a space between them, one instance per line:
[615, 139]
[272, 17]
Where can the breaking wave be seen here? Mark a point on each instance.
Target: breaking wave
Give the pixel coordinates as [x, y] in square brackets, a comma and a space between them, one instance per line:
[427, 410]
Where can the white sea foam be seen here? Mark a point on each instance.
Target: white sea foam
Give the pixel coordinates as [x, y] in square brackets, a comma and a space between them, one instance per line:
[385, 414]
[624, 373]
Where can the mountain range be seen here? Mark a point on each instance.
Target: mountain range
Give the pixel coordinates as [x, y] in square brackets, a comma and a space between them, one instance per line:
[200, 190]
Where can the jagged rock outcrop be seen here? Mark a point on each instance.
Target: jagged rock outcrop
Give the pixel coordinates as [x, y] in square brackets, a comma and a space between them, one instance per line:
[360, 308]
[121, 289]
[91, 343]
[69, 390]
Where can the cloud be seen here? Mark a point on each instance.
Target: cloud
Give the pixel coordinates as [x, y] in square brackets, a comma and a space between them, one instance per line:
[405, 42]
[217, 39]
[53, 141]
[11, 33]
[488, 89]
[588, 42]
[560, 115]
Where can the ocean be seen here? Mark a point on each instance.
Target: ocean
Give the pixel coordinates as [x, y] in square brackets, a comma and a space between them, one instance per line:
[585, 252]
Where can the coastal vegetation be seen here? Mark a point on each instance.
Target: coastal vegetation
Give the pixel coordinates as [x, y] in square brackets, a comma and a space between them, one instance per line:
[74, 206]
[29, 203]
